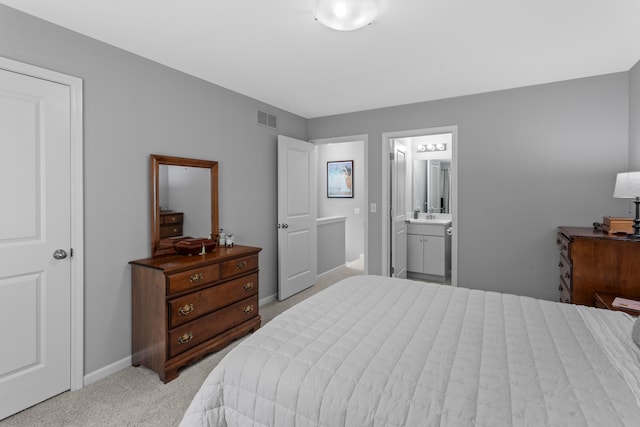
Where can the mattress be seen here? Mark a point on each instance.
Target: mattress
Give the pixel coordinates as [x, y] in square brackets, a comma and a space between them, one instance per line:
[378, 351]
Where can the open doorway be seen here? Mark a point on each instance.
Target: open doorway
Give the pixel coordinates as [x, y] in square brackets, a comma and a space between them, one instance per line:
[422, 146]
[345, 210]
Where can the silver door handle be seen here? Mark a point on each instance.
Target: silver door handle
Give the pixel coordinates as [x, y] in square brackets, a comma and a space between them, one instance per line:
[59, 254]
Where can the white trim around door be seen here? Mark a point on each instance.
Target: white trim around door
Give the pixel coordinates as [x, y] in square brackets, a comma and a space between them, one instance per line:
[386, 137]
[77, 213]
[365, 185]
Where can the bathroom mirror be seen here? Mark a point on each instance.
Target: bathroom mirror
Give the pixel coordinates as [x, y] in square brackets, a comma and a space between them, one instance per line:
[184, 200]
[432, 185]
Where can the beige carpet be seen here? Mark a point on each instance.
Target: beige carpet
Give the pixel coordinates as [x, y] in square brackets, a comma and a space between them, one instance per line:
[136, 396]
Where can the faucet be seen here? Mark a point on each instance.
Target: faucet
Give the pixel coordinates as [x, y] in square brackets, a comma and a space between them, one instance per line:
[430, 215]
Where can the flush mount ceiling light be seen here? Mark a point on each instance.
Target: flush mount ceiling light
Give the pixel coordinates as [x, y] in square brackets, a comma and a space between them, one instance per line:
[345, 15]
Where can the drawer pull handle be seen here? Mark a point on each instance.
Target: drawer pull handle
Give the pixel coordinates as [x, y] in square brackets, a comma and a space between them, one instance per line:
[248, 286]
[195, 278]
[248, 309]
[241, 265]
[185, 309]
[183, 339]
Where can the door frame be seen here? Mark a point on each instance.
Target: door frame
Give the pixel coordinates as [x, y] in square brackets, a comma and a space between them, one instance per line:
[365, 185]
[77, 213]
[386, 203]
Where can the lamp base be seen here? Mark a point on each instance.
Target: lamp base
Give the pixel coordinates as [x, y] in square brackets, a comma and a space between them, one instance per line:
[636, 221]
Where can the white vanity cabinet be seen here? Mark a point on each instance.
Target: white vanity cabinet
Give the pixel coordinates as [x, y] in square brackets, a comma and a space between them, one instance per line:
[428, 249]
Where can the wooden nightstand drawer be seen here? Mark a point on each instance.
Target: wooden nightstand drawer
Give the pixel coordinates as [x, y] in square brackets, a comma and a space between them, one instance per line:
[239, 266]
[604, 300]
[193, 333]
[192, 278]
[192, 306]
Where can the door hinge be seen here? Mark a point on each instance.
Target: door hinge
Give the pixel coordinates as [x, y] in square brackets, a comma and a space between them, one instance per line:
[391, 157]
[71, 252]
[393, 270]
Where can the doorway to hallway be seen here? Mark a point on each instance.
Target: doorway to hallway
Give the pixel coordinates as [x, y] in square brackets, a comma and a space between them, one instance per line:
[352, 210]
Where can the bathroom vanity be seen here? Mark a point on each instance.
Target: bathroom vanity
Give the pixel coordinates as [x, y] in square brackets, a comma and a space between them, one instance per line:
[429, 249]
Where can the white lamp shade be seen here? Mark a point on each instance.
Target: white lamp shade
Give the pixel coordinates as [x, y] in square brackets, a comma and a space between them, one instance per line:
[627, 185]
[345, 15]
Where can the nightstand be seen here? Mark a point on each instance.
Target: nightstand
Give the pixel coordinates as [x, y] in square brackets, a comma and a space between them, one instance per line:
[602, 300]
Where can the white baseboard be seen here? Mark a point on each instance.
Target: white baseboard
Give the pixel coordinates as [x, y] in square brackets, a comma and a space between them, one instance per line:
[107, 370]
[332, 270]
[267, 300]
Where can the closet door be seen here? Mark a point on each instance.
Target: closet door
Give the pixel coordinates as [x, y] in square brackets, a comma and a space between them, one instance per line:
[35, 239]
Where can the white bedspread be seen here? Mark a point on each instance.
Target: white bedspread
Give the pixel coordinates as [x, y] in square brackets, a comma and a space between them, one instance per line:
[376, 351]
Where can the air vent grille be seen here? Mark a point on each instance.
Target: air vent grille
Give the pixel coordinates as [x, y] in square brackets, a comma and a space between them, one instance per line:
[268, 120]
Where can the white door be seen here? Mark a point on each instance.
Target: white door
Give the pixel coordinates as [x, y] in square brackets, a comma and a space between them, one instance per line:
[35, 287]
[398, 210]
[297, 252]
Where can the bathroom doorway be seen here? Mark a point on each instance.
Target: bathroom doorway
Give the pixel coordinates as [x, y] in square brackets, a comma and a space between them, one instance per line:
[431, 188]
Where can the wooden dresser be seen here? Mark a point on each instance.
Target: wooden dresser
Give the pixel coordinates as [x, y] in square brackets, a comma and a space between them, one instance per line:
[593, 262]
[171, 224]
[184, 307]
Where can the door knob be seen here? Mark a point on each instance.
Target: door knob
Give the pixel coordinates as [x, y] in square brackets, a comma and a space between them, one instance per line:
[59, 254]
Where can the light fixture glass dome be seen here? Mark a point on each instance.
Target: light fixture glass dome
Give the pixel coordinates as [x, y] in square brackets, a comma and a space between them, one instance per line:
[345, 15]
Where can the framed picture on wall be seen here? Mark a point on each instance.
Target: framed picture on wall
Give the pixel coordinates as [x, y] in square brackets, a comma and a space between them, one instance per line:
[340, 179]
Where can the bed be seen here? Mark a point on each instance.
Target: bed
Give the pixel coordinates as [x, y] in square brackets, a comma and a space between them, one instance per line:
[379, 351]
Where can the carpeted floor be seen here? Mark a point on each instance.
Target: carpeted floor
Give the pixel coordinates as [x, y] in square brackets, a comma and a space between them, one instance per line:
[136, 396]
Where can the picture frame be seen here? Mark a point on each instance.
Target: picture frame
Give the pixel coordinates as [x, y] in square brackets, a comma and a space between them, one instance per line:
[340, 179]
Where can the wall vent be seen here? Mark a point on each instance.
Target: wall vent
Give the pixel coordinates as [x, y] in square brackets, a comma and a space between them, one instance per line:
[268, 120]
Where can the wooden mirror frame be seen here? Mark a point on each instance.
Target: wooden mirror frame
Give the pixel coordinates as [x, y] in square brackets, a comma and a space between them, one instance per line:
[156, 161]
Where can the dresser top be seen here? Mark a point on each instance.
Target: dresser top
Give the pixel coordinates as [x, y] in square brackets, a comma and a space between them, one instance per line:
[590, 232]
[185, 262]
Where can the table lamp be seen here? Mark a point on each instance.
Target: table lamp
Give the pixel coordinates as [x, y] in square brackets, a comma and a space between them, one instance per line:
[628, 187]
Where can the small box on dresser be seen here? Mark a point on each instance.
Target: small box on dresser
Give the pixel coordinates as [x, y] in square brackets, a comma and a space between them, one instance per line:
[592, 261]
[184, 307]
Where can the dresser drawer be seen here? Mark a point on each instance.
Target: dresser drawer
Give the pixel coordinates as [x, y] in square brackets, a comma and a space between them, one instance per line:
[564, 245]
[173, 218]
[170, 230]
[198, 331]
[239, 265]
[192, 278]
[189, 307]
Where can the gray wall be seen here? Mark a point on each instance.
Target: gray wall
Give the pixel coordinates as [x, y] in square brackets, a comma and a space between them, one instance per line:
[354, 227]
[134, 107]
[634, 118]
[529, 159]
[559, 147]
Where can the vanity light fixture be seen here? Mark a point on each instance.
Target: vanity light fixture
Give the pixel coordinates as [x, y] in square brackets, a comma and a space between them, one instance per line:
[432, 147]
[628, 187]
[345, 15]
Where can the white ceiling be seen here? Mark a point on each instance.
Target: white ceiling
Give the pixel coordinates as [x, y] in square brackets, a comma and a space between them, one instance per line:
[417, 50]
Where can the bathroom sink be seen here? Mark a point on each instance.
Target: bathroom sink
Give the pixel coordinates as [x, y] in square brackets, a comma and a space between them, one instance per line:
[437, 221]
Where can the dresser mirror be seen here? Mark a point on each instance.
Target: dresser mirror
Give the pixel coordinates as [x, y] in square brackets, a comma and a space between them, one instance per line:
[184, 200]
